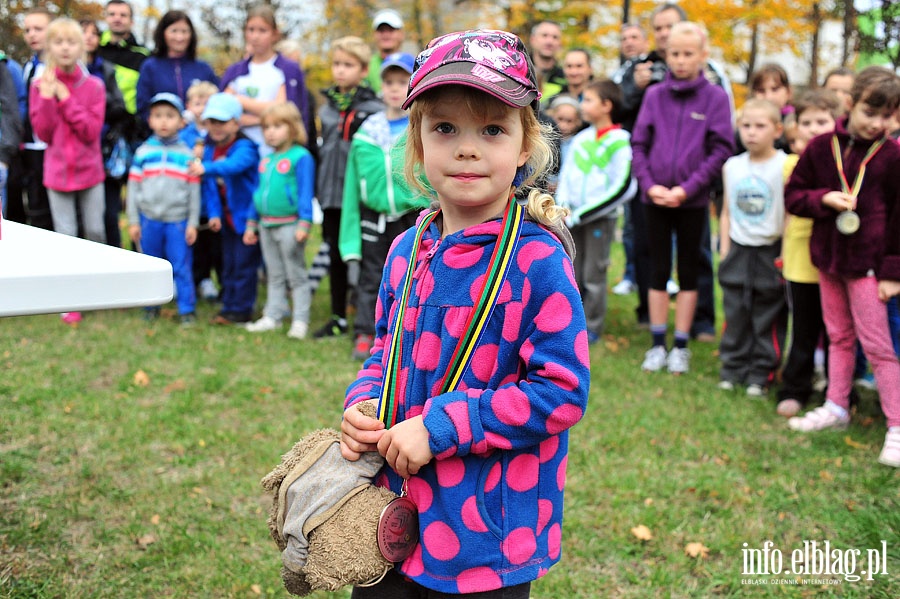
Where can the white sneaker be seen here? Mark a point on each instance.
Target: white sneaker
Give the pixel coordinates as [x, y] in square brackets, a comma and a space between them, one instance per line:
[679, 360]
[726, 385]
[756, 390]
[298, 330]
[820, 419]
[262, 325]
[672, 288]
[654, 359]
[890, 453]
[208, 290]
[624, 287]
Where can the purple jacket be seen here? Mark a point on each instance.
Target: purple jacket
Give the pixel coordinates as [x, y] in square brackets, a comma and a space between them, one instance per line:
[683, 136]
[876, 245]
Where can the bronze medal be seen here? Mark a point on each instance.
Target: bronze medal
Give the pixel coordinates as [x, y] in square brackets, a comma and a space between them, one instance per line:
[847, 222]
[398, 529]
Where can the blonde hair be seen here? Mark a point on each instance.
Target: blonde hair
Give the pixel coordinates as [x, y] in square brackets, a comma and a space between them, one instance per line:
[355, 47]
[536, 140]
[287, 113]
[201, 89]
[772, 111]
[264, 12]
[60, 28]
[290, 49]
[690, 28]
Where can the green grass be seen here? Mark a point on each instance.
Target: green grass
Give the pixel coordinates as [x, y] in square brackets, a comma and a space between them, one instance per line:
[113, 489]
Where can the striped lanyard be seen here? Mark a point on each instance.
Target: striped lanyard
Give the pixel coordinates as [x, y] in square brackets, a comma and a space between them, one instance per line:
[857, 183]
[497, 269]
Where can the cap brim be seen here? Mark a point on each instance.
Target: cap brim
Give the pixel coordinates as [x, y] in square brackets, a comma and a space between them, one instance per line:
[507, 90]
[217, 116]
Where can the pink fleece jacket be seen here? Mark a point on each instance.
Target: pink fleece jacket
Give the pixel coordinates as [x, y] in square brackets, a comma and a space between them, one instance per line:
[71, 129]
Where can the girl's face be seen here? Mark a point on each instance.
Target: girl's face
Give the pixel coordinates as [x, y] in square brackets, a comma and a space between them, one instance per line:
[774, 91]
[276, 134]
[66, 50]
[91, 39]
[178, 37]
[470, 159]
[567, 119]
[868, 122]
[686, 56]
[260, 37]
[812, 122]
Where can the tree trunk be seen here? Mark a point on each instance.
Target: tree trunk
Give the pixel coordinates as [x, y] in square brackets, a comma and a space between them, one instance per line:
[849, 30]
[754, 51]
[814, 51]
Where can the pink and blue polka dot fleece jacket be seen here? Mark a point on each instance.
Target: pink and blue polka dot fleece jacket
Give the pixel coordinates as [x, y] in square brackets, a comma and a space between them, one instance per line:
[491, 502]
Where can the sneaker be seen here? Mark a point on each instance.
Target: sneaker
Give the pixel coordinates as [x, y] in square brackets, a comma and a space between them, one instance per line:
[672, 288]
[822, 418]
[227, 318]
[756, 390]
[654, 359]
[262, 325]
[362, 347]
[624, 287]
[866, 381]
[788, 407]
[890, 453]
[679, 360]
[208, 290]
[298, 330]
[71, 317]
[726, 385]
[151, 314]
[333, 328]
[188, 320]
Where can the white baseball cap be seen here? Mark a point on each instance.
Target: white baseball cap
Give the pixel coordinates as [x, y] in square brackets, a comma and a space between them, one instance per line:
[389, 17]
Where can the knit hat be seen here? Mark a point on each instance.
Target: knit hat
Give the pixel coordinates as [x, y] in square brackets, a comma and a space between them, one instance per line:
[494, 62]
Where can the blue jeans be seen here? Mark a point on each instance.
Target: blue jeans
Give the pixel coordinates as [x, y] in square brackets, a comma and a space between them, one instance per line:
[166, 240]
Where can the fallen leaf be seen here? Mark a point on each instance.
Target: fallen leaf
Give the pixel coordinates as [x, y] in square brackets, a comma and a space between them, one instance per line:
[826, 475]
[178, 385]
[611, 345]
[141, 379]
[642, 533]
[781, 516]
[67, 409]
[155, 520]
[648, 502]
[256, 589]
[266, 390]
[850, 504]
[146, 540]
[697, 550]
[201, 443]
[854, 444]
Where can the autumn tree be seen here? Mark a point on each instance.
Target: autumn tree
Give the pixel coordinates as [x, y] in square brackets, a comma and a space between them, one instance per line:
[12, 12]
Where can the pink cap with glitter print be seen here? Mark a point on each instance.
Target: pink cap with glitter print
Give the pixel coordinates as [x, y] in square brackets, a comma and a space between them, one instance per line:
[495, 62]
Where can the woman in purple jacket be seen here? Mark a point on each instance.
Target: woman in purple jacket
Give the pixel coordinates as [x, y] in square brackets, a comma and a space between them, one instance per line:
[173, 67]
[681, 140]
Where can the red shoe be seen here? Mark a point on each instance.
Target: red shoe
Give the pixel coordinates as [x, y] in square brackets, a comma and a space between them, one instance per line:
[362, 347]
[71, 317]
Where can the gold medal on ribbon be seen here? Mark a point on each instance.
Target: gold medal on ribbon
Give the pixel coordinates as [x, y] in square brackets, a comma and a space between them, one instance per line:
[847, 222]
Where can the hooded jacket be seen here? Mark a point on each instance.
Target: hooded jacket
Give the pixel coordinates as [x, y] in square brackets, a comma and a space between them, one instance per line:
[338, 129]
[10, 123]
[683, 136]
[876, 245]
[375, 180]
[491, 501]
[71, 128]
[238, 172]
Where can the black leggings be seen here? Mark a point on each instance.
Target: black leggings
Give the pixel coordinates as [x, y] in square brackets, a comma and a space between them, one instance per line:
[395, 586]
[687, 224]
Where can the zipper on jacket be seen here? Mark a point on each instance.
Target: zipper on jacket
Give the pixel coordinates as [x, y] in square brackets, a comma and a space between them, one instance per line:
[676, 144]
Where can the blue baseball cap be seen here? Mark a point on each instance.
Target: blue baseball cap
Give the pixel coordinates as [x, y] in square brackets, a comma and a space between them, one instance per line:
[401, 60]
[222, 107]
[168, 98]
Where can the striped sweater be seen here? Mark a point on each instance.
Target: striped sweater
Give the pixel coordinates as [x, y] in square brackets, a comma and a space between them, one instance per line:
[159, 186]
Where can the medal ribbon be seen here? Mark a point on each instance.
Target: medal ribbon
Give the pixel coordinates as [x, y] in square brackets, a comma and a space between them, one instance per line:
[497, 269]
[857, 183]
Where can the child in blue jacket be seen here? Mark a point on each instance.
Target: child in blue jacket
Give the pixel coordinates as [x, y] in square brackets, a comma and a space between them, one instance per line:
[229, 171]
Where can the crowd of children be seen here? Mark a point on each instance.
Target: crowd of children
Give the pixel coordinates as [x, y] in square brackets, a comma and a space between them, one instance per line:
[225, 186]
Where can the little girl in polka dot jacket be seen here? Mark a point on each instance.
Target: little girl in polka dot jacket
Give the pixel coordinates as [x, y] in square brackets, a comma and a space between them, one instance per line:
[484, 462]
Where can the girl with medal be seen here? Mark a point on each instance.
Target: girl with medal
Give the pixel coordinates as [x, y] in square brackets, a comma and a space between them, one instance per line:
[480, 363]
[847, 183]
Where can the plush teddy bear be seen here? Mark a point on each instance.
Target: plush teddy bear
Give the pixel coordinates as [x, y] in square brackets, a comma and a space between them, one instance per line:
[325, 512]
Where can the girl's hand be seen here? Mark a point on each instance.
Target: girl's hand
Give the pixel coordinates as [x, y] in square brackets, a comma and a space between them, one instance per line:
[301, 235]
[62, 92]
[196, 169]
[678, 195]
[888, 289]
[190, 235]
[215, 224]
[405, 446]
[134, 231]
[47, 84]
[838, 200]
[250, 237]
[359, 433]
[658, 195]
